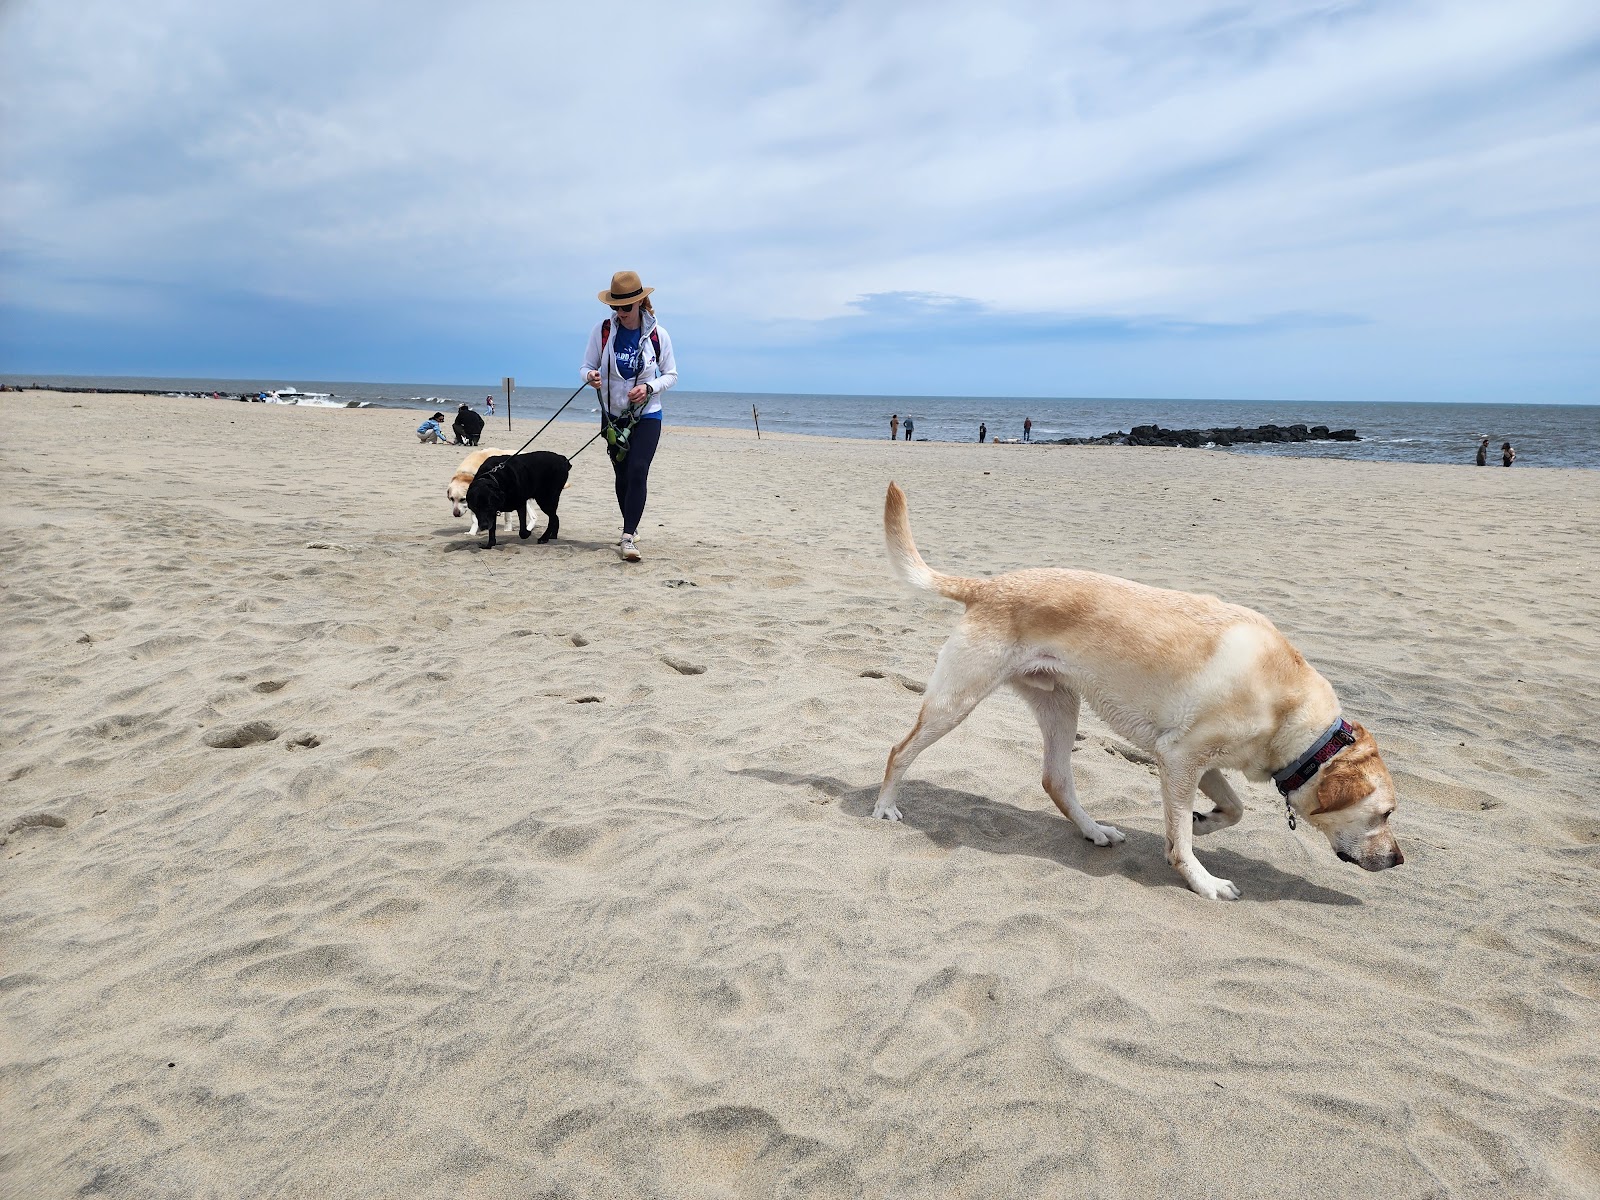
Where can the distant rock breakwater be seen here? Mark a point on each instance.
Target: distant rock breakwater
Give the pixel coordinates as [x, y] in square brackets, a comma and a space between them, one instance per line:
[1154, 435]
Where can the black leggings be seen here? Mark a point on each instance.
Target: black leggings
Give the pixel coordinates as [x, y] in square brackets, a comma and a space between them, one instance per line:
[633, 472]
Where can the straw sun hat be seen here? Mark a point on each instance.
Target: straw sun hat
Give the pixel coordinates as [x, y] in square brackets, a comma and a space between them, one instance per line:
[625, 289]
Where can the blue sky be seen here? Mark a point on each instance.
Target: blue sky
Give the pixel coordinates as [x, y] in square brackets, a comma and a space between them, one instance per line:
[1285, 201]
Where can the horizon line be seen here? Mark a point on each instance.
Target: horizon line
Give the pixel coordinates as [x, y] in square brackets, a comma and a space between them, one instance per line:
[12, 377]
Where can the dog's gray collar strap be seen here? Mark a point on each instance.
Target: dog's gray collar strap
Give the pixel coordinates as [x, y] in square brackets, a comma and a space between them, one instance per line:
[1338, 735]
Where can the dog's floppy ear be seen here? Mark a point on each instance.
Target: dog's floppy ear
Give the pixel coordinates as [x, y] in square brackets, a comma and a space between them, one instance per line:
[482, 493]
[1347, 777]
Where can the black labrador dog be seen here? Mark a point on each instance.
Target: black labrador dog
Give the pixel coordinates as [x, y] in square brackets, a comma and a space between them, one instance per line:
[506, 482]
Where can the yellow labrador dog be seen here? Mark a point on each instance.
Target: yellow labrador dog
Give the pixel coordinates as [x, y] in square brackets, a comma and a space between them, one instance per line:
[456, 490]
[1199, 683]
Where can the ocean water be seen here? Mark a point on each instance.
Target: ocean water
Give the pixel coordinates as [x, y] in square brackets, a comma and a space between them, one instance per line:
[1545, 435]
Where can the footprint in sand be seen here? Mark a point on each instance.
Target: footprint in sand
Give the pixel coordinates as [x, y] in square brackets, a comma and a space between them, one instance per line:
[38, 820]
[233, 737]
[683, 667]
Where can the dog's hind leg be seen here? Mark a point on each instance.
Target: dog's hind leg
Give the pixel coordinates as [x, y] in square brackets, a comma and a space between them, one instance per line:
[1057, 714]
[1179, 777]
[961, 679]
[1229, 807]
[553, 528]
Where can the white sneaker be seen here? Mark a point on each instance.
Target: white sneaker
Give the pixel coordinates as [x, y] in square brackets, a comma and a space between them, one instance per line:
[626, 550]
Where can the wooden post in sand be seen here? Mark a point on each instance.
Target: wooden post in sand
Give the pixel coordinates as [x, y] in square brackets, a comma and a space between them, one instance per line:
[755, 416]
[509, 384]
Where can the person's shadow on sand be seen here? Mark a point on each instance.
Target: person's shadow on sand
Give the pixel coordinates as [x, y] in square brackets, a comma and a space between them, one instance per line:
[950, 818]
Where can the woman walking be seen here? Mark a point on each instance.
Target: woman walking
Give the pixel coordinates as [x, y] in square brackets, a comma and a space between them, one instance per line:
[630, 363]
[1507, 454]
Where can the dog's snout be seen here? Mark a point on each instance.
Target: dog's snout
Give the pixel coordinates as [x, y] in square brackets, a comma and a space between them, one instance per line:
[1379, 862]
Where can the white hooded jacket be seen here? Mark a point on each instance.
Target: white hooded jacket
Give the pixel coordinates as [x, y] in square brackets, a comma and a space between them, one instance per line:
[658, 376]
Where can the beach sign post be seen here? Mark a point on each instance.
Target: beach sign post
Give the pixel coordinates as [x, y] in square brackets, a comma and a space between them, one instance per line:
[756, 417]
[508, 383]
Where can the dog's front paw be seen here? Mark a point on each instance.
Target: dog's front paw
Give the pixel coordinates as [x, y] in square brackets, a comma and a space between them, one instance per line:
[545, 538]
[886, 813]
[525, 534]
[1105, 835]
[1203, 883]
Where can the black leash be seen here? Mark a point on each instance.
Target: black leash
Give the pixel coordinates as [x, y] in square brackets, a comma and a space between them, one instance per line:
[606, 419]
[553, 416]
[587, 444]
[542, 428]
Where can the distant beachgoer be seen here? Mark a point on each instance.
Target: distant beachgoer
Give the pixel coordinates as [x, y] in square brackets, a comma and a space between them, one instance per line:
[1027, 429]
[1483, 451]
[489, 400]
[908, 429]
[1507, 454]
[468, 426]
[983, 432]
[431, 431]
[894, 428]
[630, 362]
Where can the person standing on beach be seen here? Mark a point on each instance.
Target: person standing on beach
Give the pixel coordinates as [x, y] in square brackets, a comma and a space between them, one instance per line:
[489, 400]
[1507, 454]
[1027, 429]
[983, 432]
[894, 427]
[629, 362]
[1483, 451]
[908, 428]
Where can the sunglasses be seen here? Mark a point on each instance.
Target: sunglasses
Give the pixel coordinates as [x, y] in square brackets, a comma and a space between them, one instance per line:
[623, 307]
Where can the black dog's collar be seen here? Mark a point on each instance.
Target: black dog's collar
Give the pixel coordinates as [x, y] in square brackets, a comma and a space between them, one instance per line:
[1339, 735]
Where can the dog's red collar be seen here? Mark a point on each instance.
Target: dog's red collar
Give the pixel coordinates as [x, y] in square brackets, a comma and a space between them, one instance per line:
[1297, 773]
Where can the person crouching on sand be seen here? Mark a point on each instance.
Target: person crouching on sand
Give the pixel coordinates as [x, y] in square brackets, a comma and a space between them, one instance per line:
[630, 362]
[431, 431]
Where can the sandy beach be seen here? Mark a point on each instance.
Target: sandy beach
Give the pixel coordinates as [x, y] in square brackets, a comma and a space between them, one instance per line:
[345, 859]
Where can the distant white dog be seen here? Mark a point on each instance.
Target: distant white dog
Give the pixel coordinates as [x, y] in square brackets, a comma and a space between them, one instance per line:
[456, 490]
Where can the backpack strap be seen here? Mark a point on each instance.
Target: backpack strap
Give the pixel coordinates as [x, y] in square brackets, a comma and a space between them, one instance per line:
[605, 336]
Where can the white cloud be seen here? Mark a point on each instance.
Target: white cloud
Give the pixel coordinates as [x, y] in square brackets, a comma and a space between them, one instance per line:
[1197, 161]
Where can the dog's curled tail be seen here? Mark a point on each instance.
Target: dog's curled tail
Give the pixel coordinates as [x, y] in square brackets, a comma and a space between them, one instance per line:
[904, 560]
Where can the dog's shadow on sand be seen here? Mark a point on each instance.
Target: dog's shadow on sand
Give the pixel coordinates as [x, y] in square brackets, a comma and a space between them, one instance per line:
[950, 818]
[459, 541]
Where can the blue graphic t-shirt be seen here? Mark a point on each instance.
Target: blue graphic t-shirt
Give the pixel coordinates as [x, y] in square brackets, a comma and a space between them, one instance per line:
[626, 347]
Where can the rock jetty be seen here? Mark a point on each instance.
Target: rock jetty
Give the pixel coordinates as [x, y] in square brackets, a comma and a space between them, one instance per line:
[1154, 435]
